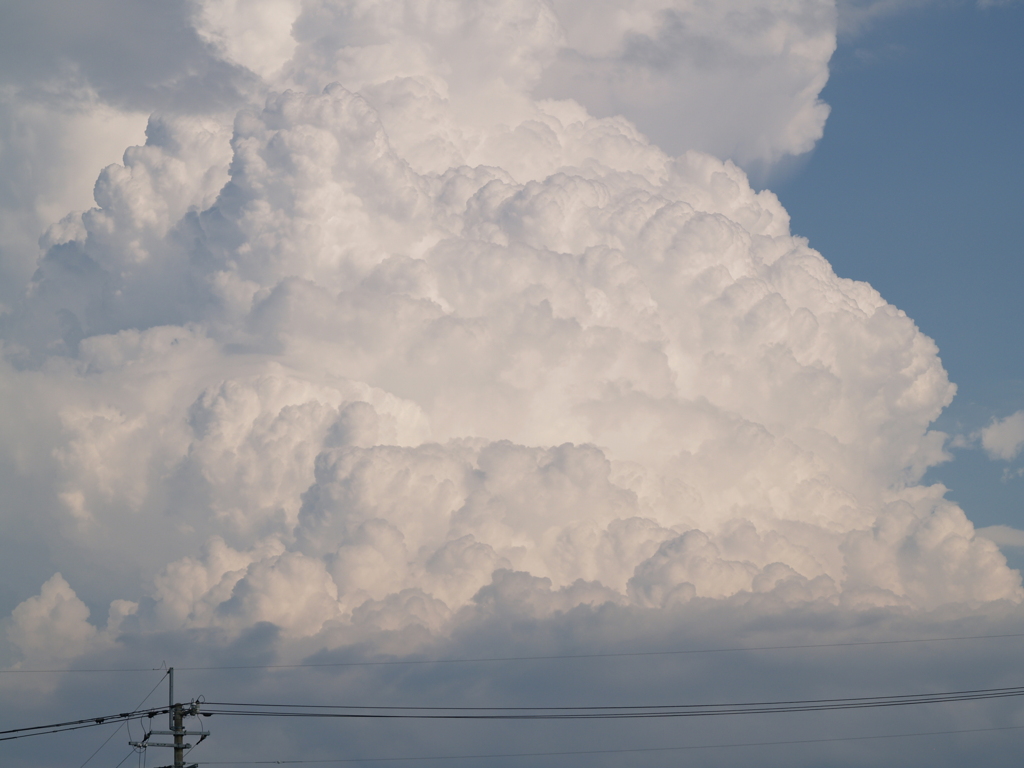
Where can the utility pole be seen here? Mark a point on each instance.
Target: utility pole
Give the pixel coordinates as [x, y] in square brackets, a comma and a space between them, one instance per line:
[176, 714]
[174, 719]
[179, 737]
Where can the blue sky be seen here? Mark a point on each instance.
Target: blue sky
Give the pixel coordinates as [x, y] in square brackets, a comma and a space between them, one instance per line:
[916, 188]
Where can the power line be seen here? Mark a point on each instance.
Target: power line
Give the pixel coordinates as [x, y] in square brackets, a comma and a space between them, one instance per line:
[55, 730]
[535, 713]
[61, 671]
[551, 657]
[608, 712]
[616, 751]
[75, 725]
[983, 692]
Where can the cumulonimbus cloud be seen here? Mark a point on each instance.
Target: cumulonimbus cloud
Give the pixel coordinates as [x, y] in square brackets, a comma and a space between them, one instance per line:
[404, 340]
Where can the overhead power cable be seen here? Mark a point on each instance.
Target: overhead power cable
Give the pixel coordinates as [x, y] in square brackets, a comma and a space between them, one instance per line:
[637, 750]
[76, 669]
[983, 692]
[241, 709]
[602, 712]
[549, 657]
[75, 725]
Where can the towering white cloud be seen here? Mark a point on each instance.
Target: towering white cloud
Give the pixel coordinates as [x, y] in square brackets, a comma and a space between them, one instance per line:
[77, 84]
[693, 75]
[402, 341]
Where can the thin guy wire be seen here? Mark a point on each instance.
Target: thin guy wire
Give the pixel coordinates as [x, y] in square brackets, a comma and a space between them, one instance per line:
[137, 707]
[101, 746]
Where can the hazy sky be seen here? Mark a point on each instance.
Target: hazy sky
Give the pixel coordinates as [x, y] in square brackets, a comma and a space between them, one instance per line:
[551, 332]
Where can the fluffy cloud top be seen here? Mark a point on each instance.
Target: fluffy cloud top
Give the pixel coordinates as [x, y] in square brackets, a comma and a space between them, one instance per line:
[403, 342]
[692, 75]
